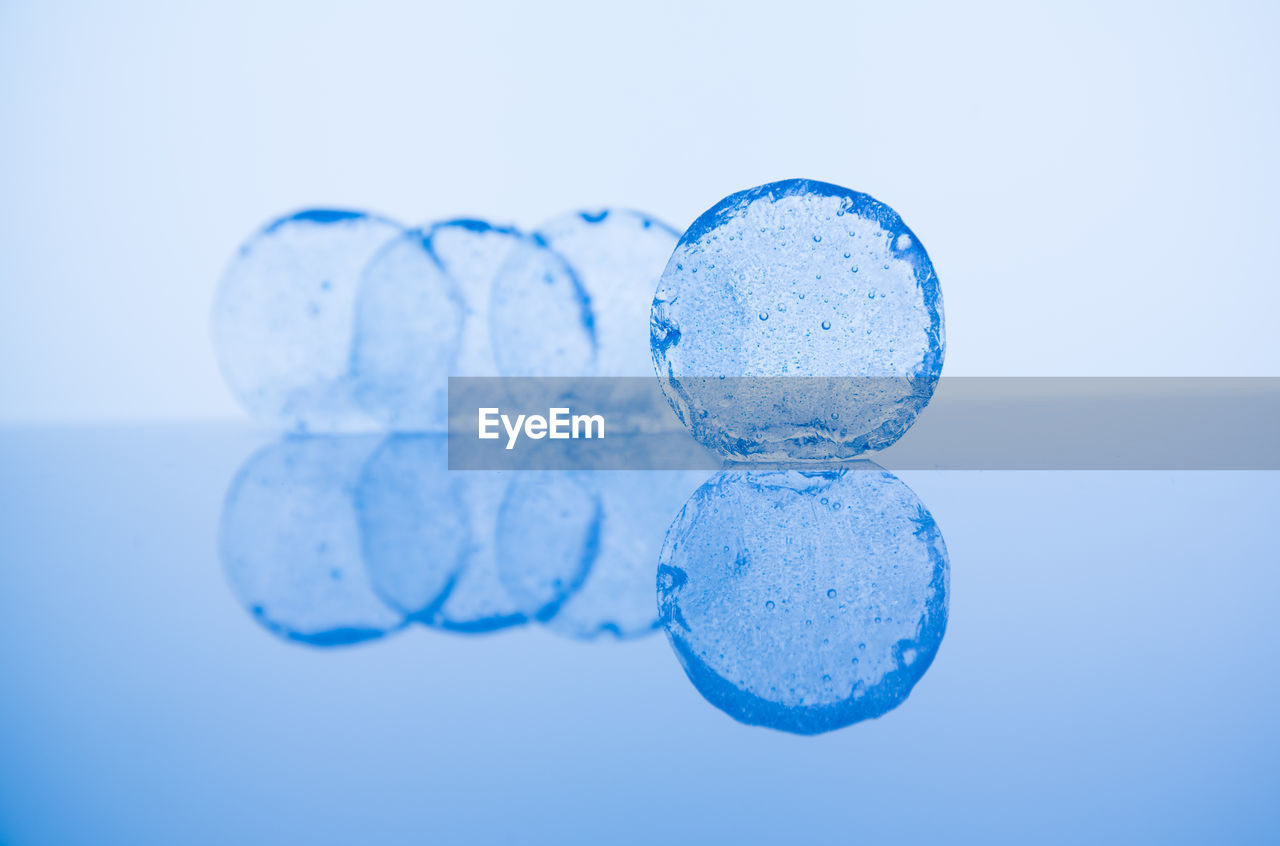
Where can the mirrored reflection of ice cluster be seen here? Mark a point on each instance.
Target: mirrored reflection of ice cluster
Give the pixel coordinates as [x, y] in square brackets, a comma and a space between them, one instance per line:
[331, 541]
[801, 600]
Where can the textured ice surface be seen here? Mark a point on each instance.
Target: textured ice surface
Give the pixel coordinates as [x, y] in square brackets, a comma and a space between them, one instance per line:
[804, 601]
[284, 315]
[415, 532]
[428, 536]
[578, 550]
[548, 539]
[798, 278]
[290, 544]
[540, 319]
[422, 316]
[473, 252]
[582, 307]
[477, 601]
[409, 318]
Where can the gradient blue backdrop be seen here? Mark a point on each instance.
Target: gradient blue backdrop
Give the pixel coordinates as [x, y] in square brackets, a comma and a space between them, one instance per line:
[1094, 181]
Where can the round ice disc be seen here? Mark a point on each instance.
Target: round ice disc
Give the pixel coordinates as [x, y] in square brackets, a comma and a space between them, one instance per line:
[548, 539]
[422, 316]
[408, 327]
[579, 548]
[540, 318]
[476, 601]
[472, 252]
[284, 315]
[580, 306]
[290, 544]
[798, 320]
[414, 531]
[804, 601]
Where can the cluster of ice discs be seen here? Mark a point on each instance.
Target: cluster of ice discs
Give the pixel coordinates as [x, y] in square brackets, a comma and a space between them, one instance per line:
[797, 321]
[337, 321]
[331, 541]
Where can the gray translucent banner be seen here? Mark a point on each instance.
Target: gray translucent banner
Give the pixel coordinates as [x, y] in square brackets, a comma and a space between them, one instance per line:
[971, 423]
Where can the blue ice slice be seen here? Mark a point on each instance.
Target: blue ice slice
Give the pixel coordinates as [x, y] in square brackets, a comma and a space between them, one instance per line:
[580, 307]
[798, 279]
[422, 316]
[578, 549]
[476, 602]
[284, 314]
[428, 536]
[804, 601]
[408, 328]
[290, 545]
[414, 530]
[548, 539]
[472, 252]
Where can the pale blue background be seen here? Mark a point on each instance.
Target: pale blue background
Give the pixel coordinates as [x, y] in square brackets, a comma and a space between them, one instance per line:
[1095, 181]
[1096, 185]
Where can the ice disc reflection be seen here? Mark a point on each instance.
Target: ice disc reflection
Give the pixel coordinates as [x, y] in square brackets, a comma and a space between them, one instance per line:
[804, 600]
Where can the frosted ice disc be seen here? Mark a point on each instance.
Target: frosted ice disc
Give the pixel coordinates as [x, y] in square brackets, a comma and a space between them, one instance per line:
[414, 531]
[581, 307]
[476, 602]
[422, 316]
[290, 544]
[284, 316]
[578, 549]
[798, 279]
